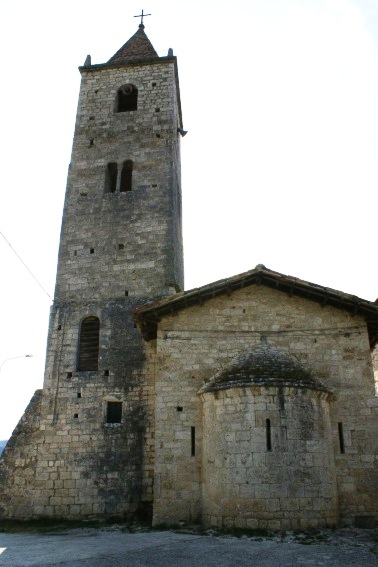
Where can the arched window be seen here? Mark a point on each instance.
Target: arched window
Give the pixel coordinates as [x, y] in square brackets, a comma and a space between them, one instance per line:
[89, 344]
[126, 176]
[127, 98]
[111, 177]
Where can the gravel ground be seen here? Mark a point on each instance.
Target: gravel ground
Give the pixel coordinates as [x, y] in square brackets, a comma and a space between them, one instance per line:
[113, 547]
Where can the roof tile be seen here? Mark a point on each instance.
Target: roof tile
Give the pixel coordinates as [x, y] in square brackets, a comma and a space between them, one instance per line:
[137, 48]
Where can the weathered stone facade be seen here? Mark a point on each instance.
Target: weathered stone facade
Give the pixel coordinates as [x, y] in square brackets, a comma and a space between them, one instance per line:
[247, 403]
[320, 466]
[120, 247]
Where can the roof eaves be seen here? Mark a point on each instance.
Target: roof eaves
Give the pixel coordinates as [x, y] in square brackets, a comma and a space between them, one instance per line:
[134, 63]
[263, 276]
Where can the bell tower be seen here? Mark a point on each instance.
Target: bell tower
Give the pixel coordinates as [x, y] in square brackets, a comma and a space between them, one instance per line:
[121, 231]
[120, 247]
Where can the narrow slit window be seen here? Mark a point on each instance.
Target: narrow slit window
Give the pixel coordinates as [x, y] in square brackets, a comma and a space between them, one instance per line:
[193, 441]
[126, 176]
[341, 437]
[111, 177]
[268, 436]
[114, 412]
[89, 344]
[127, 98]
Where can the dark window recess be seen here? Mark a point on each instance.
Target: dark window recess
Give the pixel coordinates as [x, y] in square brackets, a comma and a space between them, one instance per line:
[126, 292]
[121, 246]
[106, 372]
[69, 374]
[341, 437]
[91, 141]
[127, 98]
[92, 250]
[114, 412]
[157, 109]
[179, 408]
[79, 394]
[268, 436]
[111, 177]
[193, 441]
[59, 327]
[126, 176]
[76, 415]
[89, 344]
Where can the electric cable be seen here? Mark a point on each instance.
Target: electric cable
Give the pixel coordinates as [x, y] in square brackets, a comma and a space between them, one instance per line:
[30, 272]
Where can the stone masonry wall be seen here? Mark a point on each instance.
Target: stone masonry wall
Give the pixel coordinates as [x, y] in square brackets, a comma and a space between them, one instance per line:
[118, 250]
[196, 342]
[19, 459]
[289, 485]
[375, 367]
[113, 243]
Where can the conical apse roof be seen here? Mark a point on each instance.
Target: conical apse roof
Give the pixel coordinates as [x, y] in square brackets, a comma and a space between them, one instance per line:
[264, 365]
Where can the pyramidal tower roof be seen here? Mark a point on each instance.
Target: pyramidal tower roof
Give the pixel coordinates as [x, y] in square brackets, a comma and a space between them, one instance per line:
[137, 48]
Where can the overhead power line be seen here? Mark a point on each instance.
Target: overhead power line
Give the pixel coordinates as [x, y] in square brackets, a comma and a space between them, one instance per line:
[23, 263]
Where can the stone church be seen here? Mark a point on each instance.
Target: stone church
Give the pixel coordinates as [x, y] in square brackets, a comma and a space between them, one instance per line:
[248, 402]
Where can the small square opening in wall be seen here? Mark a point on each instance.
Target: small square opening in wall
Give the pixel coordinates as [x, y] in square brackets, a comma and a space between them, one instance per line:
[154, 84]
[121, 246]
[69, 374]
[158, 135]
[157, 109]
[126, 292]
[79, 394]
[179, 408]
[92, 250]
[76, 415]
[106, 372]
[154, 185]
[114, 412]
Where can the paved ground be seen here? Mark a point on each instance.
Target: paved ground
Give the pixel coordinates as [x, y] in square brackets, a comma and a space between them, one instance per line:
[113, 548]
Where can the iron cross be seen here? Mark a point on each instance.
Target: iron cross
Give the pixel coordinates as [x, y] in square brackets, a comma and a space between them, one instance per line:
[142, 15]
